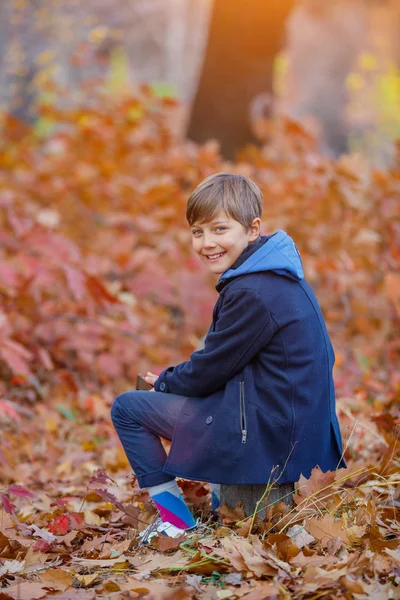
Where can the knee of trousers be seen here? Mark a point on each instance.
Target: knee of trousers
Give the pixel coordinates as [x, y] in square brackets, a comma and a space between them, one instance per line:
[120, 405]
[127, 407]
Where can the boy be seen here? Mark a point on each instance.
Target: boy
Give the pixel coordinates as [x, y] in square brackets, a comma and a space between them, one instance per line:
[259, 399]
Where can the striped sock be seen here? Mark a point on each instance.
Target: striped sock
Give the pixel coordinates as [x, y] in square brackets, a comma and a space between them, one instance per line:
[170, 504]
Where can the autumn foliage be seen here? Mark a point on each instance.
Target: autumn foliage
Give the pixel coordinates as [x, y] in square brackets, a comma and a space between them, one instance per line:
[98, 282]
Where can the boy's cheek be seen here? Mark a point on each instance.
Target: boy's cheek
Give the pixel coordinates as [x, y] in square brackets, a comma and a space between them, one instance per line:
[196, 247]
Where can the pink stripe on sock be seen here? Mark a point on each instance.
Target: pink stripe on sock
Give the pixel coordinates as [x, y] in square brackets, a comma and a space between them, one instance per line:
[169, 516]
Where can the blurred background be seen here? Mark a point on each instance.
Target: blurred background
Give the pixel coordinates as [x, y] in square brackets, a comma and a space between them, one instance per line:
[334, 66]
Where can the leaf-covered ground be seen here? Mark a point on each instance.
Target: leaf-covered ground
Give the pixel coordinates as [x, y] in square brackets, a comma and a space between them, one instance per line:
[98, 283]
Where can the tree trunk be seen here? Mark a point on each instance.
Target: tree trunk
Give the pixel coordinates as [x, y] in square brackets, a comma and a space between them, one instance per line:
[243, 40]
[251, 494]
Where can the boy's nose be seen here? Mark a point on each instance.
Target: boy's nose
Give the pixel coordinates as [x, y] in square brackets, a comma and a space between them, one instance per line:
[208, 241]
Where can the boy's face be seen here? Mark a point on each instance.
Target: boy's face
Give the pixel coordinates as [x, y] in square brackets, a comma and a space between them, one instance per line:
[221, 241]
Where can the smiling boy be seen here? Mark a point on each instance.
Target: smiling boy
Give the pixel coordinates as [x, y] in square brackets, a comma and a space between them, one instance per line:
[258, 400]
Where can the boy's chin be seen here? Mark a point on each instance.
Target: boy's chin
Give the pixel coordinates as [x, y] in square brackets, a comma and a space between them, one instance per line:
[218, 269]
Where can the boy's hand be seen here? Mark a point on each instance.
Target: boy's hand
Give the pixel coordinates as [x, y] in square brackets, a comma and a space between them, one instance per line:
[151, 379]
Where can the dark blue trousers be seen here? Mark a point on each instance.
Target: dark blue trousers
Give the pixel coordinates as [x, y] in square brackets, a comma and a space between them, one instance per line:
[140, 419]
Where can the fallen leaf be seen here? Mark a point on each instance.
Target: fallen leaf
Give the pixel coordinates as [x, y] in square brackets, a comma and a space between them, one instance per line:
[12, 566]
[326, 529]
[100, 563]
[86, 580]
[317, 485]
[26, 590]
[194, 581]
[300, 536]
[165, 544]
[58, 579]
[19, 490]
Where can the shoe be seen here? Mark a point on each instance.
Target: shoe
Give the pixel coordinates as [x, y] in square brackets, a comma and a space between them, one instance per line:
[163, 528]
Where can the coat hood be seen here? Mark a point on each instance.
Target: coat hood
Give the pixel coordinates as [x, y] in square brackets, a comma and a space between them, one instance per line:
[277, 253]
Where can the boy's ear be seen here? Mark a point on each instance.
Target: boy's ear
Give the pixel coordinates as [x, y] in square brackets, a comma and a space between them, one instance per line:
[255, 229]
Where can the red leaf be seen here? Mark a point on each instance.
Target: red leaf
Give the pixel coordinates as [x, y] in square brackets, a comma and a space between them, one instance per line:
[110, 498]
[98, 291]
[15, 361]
[8, 505]
[41, 546]
[76, 521]
[7, 409]
[76, 282]
[60, 525]
[18, 490]
[100, 477]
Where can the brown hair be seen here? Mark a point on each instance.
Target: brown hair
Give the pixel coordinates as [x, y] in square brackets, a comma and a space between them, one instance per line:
[237, 195]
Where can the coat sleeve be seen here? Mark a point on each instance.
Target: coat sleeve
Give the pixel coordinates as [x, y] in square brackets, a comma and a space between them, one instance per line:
[244, 326]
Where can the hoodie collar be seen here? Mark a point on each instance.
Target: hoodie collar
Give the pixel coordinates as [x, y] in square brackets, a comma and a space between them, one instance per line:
[277, 253]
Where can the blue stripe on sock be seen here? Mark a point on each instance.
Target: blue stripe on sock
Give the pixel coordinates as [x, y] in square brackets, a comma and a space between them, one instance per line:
[175, 505]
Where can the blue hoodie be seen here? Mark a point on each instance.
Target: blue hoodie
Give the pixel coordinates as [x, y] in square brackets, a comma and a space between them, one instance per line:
[279, 255]
[260, 396]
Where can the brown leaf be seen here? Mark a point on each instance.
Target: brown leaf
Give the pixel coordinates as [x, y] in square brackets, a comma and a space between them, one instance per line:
[326, 529]
[333, 545]
[57, 579]
[285, 547]
[306, 560]
[377, 540]
[244, 557]
[165, 544]
[317, 486]
[264, 590]
[245, 528]
[231, 515]
[27, 590]
[205, 566]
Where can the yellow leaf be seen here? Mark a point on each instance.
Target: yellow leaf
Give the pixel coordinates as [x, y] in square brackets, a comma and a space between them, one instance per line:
[45, 57]
[86, 580]
[65, 467]
[98, 34]
[91, 518]
[51, 425]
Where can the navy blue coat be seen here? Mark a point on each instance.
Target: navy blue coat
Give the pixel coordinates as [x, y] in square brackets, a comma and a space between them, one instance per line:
[261, 399]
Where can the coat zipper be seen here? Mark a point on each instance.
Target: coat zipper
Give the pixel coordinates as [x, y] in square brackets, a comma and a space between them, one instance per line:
[243, 421]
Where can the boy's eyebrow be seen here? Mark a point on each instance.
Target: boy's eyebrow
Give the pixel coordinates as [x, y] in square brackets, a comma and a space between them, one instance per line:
[212, 223]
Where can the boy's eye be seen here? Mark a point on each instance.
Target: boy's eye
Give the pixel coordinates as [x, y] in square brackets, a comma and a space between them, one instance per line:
[199, 231]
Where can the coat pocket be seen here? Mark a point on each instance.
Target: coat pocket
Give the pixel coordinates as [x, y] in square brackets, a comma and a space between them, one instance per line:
[243, 418]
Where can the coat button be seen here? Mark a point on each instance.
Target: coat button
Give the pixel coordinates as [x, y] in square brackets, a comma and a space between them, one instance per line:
[209, 420]
[162, 386]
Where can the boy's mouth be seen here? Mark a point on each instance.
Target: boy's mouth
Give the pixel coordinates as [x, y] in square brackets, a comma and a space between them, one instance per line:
[214, 257]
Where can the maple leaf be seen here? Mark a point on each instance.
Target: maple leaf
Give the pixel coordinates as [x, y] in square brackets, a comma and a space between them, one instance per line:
[326, 529]
[110, 498]
[76, 521]
[12, 566]
[316, 487]
[8, 505]
[60, 525]
[41, 546]
[100, 477]
[18, 490]
[166, 544]
[231, 515]
[6, 408]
